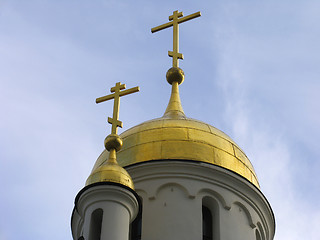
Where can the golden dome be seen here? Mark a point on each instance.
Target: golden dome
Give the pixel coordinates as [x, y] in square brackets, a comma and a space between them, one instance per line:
[176, 137]
[109, 170]
[110, 173]
[183, 139]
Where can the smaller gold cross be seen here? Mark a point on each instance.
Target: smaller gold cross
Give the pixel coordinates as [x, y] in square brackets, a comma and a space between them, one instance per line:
[175, 19]
[116, 94]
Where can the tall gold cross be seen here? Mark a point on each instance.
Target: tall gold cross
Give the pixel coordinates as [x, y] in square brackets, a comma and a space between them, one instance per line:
[175, 19]
[116, 94]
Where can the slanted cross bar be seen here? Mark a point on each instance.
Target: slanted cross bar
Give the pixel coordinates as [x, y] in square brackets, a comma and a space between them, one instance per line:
[116, 94]
[175, 19]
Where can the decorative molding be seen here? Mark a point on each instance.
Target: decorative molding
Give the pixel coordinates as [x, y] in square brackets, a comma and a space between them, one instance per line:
[246, 211]
[217, 196]
[262, 234]
[223, 182]
[172, 184]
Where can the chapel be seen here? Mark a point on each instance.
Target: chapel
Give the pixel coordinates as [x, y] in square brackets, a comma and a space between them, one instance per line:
[171, 178]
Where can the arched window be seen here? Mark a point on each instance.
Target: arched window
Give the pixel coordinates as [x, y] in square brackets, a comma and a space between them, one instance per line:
[136, 225]
[206, 223]
[210, 219]
[96, 224]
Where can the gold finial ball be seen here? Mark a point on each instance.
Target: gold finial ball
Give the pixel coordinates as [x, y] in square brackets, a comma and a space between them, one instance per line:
[113, 141]
[175, 74]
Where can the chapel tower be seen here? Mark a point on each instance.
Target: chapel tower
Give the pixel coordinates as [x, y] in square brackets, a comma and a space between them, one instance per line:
[183, 178]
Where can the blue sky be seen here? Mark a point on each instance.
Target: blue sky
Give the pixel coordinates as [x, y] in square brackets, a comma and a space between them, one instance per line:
[252, 70]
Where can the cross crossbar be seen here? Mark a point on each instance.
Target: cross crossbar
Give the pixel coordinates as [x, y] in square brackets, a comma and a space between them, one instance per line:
[117, 93]
[180, 20]
[123, 93]
[175, 19]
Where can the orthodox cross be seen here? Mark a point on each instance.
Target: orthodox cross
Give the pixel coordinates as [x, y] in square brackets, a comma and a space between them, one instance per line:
[175, 19]
[116, 94]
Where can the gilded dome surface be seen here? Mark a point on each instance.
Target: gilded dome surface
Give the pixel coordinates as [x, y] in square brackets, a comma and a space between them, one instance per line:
[184, 139]
[110, 173]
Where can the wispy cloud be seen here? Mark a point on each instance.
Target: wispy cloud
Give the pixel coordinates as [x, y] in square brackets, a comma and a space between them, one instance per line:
[259, 64]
